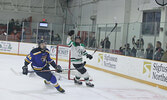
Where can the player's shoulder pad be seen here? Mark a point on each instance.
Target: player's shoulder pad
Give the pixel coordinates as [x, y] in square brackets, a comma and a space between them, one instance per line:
[82, 45]
[35, 50]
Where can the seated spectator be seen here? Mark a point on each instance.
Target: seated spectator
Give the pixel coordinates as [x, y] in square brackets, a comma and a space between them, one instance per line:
[158, 52]
[140, 53]
[149, 52]
[164, 57]
[126, 50]
[121, 50]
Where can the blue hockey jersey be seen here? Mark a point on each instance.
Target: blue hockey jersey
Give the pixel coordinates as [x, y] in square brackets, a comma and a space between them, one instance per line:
[38, 59]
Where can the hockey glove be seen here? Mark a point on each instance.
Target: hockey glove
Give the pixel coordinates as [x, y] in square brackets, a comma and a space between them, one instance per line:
[25, 70]
[58, 68]
[89, 56]
[71, 33]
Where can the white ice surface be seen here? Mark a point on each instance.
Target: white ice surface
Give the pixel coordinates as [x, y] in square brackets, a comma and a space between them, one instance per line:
[15, 86]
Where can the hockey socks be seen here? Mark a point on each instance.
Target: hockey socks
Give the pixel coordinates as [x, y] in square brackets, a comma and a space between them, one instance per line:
[58, 87]
[53, 80]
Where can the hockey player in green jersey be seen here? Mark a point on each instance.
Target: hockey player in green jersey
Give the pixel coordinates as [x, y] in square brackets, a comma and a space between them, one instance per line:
[77, 52]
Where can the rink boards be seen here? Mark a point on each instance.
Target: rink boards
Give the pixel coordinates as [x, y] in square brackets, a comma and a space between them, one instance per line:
[150, 72]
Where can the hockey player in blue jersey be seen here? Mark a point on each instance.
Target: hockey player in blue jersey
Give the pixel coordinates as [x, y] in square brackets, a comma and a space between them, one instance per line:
[40, 60]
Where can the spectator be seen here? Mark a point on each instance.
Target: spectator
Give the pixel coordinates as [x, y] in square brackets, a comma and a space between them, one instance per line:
[52, 37]
[121, 50]
[137, 47]
[15, 32]
[149, 51]
[4, 33]
[126, 50]
[141, 42]
[17, 23]
[140, 53]
[57, 37]
[11, 26]
[92, 42]
[164, 57]
[140, 50]
[134, 47]
[86, 42]
[158, 52]
[101, 43]
[106, 43]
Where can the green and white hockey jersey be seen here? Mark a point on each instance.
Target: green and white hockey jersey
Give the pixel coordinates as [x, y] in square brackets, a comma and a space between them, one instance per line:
[77, 52]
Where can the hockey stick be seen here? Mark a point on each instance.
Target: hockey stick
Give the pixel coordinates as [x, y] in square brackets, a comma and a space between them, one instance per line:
[49, 70]
[55, 70]
[15, 72]
[106, 38]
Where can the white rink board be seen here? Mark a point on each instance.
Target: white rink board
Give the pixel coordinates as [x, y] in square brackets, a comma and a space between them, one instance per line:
[25, 48]
[138, 68]
[151, 71]
[8, 47]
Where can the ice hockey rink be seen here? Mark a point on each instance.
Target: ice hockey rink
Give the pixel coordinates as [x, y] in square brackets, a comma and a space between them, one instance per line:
[15, 86]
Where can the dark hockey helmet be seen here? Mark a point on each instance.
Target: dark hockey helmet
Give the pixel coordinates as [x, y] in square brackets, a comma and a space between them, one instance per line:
[70, 33]
[77, 43]
[77, 37]
[41, 41]
[43, 48]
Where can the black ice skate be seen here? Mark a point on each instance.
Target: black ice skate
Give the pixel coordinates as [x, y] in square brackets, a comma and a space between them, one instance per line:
[60, 90]
[89, 84]
[77, 82]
